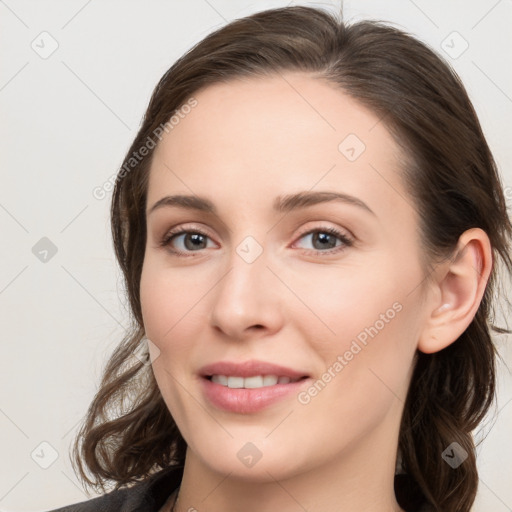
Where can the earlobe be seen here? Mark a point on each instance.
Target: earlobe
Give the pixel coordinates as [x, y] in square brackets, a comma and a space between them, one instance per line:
[459, 287]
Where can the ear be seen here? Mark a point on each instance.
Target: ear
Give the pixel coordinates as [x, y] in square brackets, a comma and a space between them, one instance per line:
[457, 289]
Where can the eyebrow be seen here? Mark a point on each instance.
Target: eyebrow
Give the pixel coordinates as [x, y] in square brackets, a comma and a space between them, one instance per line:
[281, 204]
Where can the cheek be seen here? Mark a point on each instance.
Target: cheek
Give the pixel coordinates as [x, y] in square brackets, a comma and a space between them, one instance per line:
[170, 319]
[158, 311]
[370, 323]
[342, 305]
[168, 300]
[174, 306]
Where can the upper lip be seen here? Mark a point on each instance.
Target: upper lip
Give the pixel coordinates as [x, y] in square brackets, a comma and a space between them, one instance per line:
[249, 369]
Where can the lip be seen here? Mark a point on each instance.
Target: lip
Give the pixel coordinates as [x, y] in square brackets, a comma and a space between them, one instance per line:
[249, 369]
[246, 401]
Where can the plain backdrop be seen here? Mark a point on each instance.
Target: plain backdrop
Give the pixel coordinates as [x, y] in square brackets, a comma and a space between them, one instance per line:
[75, 79]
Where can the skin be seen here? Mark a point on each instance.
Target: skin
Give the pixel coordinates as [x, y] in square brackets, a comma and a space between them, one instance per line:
[245, 143]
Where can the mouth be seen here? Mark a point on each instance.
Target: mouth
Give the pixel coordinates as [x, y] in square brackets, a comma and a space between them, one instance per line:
[250, 386]
[253, 382]
[250, 374]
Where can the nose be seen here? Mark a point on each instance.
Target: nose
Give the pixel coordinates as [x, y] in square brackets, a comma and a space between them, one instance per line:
[247, 300]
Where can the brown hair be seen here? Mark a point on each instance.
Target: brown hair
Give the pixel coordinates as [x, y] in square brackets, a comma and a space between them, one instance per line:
[129, 433]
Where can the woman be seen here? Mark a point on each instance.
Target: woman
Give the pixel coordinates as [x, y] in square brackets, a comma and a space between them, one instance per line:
[309, 223]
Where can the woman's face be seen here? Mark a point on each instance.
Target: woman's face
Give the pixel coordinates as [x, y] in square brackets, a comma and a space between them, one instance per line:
[298, 246]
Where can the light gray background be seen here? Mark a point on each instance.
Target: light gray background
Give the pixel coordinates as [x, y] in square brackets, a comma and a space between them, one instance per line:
[67, 121]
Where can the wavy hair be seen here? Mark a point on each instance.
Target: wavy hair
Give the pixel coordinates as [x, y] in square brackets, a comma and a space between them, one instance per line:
[128, 432]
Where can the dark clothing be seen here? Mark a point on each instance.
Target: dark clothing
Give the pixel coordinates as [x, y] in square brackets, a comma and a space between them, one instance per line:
[146, 496]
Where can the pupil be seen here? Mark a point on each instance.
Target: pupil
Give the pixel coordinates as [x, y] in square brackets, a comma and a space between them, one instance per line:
[196, 240]
[323, 238]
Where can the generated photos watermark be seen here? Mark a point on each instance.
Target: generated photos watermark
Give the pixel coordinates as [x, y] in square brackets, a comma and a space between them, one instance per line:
[356, 346]
[150, 143]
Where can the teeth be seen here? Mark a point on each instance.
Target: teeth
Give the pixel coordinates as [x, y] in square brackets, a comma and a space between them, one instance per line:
[258, 381]
[220, 379]
[270, 380]
[235, 382]
[254, 382]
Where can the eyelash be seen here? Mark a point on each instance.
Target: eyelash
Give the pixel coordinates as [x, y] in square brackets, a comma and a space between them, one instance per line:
[345, 240]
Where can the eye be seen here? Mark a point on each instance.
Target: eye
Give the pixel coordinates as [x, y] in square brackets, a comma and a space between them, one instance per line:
[185, 241]
[326, 240]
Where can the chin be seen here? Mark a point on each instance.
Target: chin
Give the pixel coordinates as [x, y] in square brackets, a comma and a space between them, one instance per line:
[251, 461]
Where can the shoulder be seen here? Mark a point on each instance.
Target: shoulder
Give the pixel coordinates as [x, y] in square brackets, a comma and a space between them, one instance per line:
[147, 495]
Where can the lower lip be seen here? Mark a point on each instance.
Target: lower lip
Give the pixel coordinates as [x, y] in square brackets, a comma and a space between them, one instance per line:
[244, 400]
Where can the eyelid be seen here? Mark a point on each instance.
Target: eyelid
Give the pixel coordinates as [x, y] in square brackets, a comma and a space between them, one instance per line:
[345, 236]
[325, 227]
[180, 229]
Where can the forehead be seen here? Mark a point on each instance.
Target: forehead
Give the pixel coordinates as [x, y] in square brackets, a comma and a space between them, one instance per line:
[281, 109]
[288, 131]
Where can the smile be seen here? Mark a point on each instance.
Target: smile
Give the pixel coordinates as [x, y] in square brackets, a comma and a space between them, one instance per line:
[256, 381]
